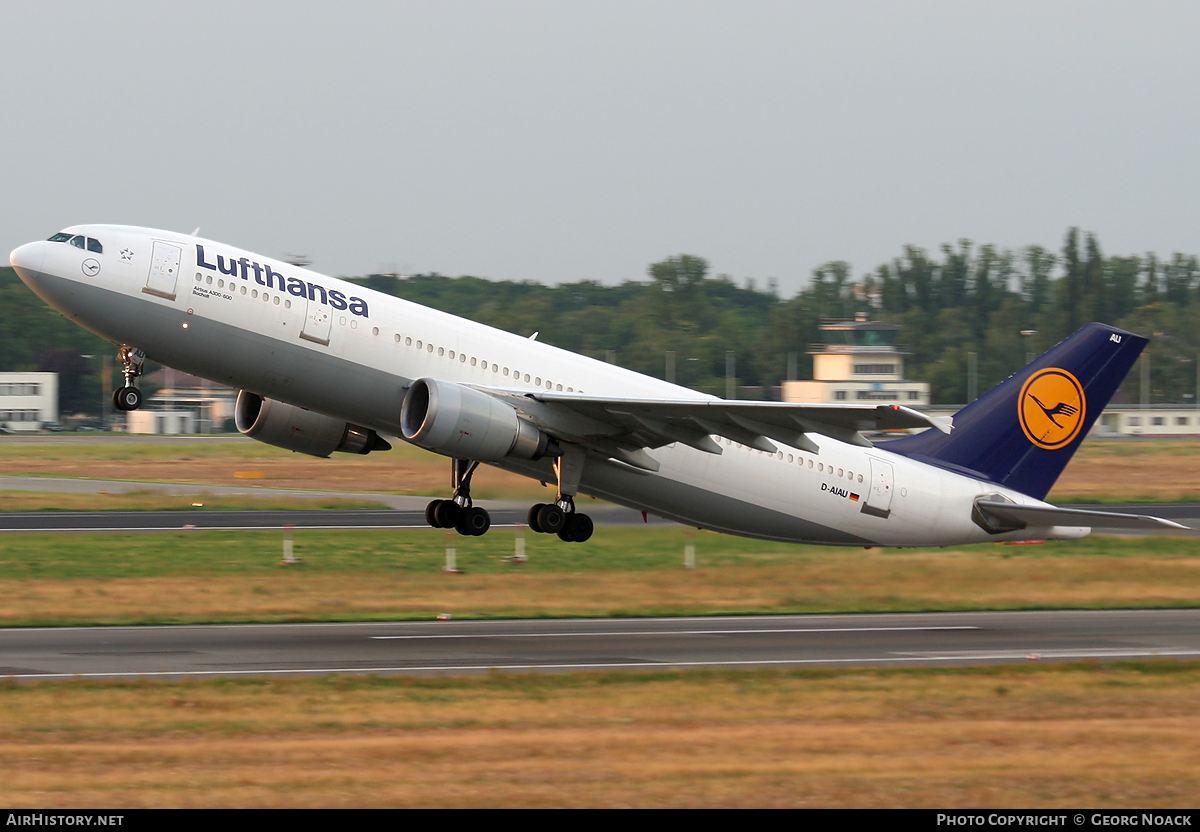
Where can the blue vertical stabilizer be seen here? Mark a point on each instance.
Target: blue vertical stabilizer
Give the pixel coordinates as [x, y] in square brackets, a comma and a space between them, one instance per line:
[1022, 432]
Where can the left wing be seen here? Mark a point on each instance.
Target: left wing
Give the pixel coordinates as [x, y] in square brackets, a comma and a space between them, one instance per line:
[623, 428]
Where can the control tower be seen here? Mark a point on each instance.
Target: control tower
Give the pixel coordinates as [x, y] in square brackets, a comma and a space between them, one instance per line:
[858, 363]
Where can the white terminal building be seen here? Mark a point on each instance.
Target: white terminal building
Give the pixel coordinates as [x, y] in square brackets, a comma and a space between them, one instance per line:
[183, 404]
[28, 400]
[858, 363]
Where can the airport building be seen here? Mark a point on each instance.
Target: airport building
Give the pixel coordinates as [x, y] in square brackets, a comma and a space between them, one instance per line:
[28, 401]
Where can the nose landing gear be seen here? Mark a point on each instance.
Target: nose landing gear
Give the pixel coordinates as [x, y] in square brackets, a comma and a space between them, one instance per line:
[131, 360]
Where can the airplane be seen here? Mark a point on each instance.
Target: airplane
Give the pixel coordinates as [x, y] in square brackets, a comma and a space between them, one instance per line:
[326, 365]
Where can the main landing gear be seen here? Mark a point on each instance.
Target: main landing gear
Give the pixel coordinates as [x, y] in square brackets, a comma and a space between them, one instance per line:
[458, 512]
[129, 397]
[560, 517]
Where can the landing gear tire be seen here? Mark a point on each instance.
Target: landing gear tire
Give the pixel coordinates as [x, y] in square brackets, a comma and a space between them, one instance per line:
[431, 514]
[127, 398]
[531, 519]
[551, 519]
[447, 514]
[473, 522]
[577, 529]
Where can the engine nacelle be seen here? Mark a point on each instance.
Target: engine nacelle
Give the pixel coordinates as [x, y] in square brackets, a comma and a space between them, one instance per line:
[297, 429]
[464, 423]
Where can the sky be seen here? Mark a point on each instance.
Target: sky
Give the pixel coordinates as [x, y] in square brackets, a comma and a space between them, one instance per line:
[567, 140]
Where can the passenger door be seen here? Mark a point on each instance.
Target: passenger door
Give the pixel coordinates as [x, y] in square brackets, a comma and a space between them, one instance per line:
[879, 497]
[164, 270]
[317, 323]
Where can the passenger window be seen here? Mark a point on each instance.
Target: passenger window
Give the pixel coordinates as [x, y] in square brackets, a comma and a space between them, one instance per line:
[94, 245]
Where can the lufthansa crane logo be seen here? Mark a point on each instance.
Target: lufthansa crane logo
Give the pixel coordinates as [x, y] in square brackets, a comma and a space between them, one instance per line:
[1051, 408]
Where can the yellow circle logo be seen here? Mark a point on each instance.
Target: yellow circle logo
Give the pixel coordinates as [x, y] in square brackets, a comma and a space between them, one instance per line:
[1051, 408]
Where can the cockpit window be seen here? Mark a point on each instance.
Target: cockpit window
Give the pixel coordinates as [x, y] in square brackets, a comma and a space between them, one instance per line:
[79, 241]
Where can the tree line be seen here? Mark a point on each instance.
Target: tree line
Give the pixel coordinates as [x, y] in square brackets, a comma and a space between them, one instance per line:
[961, 299]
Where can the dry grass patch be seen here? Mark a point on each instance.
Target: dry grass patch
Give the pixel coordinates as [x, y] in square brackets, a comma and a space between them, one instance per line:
[1163, 470]
[403, 470]
[1096, 735]
[849, 580]
[14, 501]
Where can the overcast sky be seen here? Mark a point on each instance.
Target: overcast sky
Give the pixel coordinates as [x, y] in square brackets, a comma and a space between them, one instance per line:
[560, 141]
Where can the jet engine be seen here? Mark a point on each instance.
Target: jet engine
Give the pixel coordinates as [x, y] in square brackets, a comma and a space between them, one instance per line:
[296, 429]
[465, 423]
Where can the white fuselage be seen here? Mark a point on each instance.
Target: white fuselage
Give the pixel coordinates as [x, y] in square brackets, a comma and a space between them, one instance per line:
[343, 350]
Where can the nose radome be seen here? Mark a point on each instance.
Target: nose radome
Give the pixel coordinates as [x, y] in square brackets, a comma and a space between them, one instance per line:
[28, 257]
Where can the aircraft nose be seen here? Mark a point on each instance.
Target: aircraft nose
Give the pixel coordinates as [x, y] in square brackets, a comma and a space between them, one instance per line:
[27, 258]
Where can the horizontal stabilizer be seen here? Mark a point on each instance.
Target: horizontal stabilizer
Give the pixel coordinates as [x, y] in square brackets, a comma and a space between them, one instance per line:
[1024, 516]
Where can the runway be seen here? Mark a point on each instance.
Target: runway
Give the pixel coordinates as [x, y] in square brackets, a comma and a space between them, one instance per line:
[459, 647]
[173, 521]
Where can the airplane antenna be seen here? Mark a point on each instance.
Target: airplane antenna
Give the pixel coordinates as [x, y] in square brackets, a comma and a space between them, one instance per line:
[197, 231]
[534, 336]
[299, 260]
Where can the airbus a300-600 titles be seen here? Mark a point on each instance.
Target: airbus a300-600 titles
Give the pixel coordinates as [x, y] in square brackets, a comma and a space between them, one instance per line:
[325, 365]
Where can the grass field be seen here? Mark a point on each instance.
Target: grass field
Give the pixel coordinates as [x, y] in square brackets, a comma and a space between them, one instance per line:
[1104, 471]
[1038, 736]
[203, 576]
